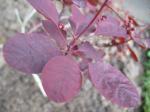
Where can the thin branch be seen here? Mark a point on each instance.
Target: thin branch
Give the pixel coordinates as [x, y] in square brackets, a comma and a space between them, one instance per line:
[90, 23]
[20, 21]
[39, 84]
[35, 28]
[18, 17]
[29, 16]
[94, 18]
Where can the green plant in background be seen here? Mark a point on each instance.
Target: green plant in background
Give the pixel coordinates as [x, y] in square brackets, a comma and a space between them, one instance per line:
[146, 83]
[2, 40]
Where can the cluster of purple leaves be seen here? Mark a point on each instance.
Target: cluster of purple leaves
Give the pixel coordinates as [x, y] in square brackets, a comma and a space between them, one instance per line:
[56, 58]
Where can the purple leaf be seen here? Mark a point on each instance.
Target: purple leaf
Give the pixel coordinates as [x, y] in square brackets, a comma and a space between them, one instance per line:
[112, 84]
[138, 40]
[90, 52]
[61, 79]
[29, 52]
[80, 3]
[46, 8]
[79, 21]
[110, 26]
[55, 33]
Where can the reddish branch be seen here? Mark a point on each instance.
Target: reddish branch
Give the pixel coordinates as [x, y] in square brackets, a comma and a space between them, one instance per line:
[94, 18]
[90, 23]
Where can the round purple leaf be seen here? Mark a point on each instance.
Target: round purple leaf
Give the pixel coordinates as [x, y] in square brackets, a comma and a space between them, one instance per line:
[29, 52]
[113, 85]
[61, 79]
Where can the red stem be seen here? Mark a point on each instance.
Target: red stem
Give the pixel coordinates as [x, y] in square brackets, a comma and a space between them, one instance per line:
[90, 23]
[94, 18]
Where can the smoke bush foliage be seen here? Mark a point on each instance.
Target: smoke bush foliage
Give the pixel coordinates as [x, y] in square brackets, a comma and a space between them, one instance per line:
[62, 62]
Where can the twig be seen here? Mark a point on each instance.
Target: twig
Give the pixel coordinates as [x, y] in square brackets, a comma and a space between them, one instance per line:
[23, 23]
[28, 17]
[38, 82]
[35, 28]
[90, 23]
[94, 18]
